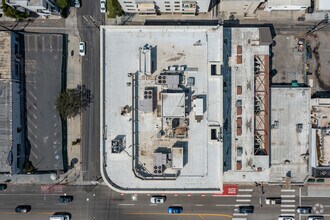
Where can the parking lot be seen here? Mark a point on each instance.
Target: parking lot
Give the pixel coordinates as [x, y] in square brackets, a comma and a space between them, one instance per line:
[287, 61]
[320, 62]
[43, 64]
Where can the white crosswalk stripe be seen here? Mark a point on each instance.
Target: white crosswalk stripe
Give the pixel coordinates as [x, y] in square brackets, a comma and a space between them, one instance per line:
[240, 214]
[288, 210]
[288, 200]
[245, 190]
[288, 206]
[243, 199]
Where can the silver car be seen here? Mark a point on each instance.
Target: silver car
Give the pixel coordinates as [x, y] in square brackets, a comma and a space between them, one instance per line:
[77, 3]
[103, 6]
[82, 48]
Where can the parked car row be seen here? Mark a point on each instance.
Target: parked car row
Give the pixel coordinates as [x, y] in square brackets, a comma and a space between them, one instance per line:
[103, 8]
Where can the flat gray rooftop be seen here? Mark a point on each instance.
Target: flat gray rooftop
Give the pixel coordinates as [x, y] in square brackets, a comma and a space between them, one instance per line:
[290, 121]
[196, 48]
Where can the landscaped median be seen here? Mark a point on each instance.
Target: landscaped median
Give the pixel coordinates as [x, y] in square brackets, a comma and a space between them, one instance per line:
[114, 9]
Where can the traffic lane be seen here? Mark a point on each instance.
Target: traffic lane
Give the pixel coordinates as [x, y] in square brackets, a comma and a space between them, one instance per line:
[160, 212]
[180, 199]
[91, 127]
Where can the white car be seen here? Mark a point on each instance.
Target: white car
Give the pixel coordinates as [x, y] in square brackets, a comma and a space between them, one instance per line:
[285, 218]
[102, 6]
[82, 48]
[157, 199]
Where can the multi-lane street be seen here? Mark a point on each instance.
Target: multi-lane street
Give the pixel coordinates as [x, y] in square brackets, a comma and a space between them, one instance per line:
[89, 18]
[99, 202]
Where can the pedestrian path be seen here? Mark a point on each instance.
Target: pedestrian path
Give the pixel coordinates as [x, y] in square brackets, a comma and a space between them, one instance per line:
[243, 198]
[288, 202]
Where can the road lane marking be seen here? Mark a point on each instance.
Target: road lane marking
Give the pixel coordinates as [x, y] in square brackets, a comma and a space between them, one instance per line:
[245, 190]
[176, 204]
[243, 195]
[288, 200]
[237, 205]
[288, 210]
[239, 219]
[288, 206]
[199, 205]
[288, 190]
[179, 214]
[243, 200]
[224, 204]
[288, 196]
[240, 214]
[126, 204]
[153, 204]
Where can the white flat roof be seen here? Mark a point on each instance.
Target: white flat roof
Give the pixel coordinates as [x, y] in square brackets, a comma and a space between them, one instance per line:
[289, 3]
[191, 46]
[290, 107]
[173, 105]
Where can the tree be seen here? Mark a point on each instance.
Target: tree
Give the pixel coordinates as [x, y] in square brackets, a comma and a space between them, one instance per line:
[72, 102]
[13, 13]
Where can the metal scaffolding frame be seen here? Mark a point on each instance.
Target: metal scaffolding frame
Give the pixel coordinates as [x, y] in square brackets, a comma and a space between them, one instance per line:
[261, 105]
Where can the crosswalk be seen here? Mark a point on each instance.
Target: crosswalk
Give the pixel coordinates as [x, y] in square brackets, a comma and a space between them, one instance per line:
[288, 202]
[243, 198]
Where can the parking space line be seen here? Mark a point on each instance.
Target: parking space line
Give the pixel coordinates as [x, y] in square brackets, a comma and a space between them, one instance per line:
[288, 210]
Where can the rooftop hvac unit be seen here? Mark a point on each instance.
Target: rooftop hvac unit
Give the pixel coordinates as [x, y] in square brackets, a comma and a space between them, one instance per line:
[158, 170]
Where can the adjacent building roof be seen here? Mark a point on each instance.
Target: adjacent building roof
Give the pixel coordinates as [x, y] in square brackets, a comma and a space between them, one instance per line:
[290, 122]
[288, 4]
[5, 55]
[5, 123]
[322, 5]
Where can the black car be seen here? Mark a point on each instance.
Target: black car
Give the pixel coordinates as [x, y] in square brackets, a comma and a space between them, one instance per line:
[304, 209]
[309, 53]
[3, 187]
[246, 209]
[23, 208]
[315, 217]
[65, 199]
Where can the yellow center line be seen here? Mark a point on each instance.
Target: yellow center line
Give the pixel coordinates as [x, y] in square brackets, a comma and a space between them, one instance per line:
[202, 215]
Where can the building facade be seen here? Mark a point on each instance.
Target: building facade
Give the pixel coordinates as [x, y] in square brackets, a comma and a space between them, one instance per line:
[287, 5]
[169, 6]
[41, 7]
[240, 8]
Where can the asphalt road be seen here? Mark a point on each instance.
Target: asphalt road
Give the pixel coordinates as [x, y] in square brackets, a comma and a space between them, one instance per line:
[89, 18]
[100, 203]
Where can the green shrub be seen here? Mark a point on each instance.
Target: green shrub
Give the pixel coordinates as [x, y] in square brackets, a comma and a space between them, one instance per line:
[62, 3]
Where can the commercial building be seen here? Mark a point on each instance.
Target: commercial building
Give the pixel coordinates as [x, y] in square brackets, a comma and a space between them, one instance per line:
[320, 138]
[187, 7]
[180, 95]
[322, 5]
[287, 5]
[40, 7]
[12, 134]
[290, 132]
[240, 8]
